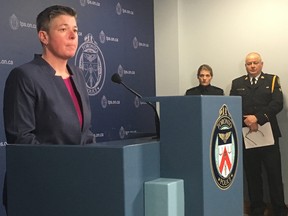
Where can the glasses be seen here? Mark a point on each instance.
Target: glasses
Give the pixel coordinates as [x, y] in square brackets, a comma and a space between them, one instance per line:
[249, 132]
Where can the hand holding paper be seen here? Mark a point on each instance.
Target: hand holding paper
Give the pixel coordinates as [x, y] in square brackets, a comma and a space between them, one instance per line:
[260, 138]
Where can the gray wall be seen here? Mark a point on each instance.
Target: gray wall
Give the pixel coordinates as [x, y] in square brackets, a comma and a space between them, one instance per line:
[220, 33]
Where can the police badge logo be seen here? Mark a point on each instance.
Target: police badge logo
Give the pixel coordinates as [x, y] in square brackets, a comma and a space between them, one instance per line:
[137, 102]
[102, 37]
[83, 3]
[104, 102]
[224, 150]
[118, 9]
[135, 43]
[14, 22]
[122, 132]
[91, 60]
[120, 70]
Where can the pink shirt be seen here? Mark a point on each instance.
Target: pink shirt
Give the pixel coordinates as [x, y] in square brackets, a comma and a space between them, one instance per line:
[71, 90]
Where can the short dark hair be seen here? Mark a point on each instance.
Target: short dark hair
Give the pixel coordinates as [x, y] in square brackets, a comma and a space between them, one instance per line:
[44, 17]
[204, 67]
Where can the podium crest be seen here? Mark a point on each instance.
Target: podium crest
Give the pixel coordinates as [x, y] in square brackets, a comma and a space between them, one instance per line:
[224, 150]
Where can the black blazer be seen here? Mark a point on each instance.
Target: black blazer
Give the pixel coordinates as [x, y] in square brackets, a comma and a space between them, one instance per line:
[38, 108]
[264, 99]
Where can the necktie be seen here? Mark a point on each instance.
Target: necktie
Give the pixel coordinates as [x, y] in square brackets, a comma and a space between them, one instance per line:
[253, 81]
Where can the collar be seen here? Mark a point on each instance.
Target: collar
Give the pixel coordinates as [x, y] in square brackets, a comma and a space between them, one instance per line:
[256, 78]
[204, 87]
[40, 60]
[249, 78]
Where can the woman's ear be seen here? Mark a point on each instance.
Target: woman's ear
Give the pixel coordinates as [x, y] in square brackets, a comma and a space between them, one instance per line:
[43, 37]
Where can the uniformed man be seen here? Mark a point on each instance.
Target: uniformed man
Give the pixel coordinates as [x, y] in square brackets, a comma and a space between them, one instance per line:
[262, 99]
[205, 75]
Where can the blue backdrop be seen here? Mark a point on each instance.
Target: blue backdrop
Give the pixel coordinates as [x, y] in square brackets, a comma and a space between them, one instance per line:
[119, 33]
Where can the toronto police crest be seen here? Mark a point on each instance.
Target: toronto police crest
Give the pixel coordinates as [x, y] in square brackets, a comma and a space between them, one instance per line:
[118, 9]
[91, 60]
[14, 22]
[83, 3]
[224, 150]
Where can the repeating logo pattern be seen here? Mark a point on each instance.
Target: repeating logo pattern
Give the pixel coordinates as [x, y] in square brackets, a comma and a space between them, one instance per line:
[120, 10]
[103, 50]
[83, 3]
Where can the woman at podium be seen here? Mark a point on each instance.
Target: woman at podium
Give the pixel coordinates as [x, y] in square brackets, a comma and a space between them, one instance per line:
[45, 100]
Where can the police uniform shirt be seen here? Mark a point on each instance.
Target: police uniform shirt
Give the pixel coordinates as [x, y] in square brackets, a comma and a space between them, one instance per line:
[205, 90]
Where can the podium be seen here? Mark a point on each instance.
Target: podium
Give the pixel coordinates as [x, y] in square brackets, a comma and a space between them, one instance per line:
[101, 179]
[201, 143]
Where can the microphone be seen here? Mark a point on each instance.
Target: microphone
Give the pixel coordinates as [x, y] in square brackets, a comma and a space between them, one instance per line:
[117, 79]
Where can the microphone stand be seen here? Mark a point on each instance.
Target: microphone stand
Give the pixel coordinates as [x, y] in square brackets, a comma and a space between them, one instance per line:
[157, 119]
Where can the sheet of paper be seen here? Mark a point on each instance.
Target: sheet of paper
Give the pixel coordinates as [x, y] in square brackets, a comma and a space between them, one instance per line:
[262, 137]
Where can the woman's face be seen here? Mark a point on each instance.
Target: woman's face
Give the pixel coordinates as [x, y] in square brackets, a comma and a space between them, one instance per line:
[204, 77]
[62, 37]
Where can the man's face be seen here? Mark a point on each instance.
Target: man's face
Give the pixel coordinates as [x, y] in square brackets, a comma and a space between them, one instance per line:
[204, 77]
[253, 65]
